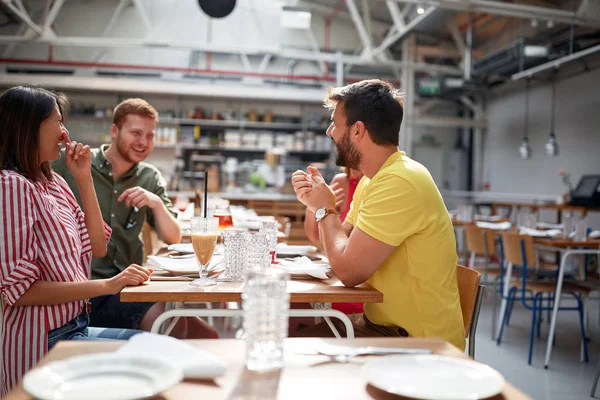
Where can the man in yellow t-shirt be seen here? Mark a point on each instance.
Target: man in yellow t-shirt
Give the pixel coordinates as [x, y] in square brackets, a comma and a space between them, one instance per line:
[398, 236]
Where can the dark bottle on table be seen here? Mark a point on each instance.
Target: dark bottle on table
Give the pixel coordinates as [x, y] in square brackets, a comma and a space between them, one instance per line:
[198, 204]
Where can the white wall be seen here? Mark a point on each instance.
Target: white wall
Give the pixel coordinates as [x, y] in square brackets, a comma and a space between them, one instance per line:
[577, 130]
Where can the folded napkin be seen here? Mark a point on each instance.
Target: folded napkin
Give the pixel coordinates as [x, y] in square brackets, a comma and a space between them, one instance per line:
[187, 248]
[490, 218]
[284, 248]
[523, 230]
[182, 265]
[195, 363]
[303, 265]
[594, 234]
[548, 225]
[500, 226]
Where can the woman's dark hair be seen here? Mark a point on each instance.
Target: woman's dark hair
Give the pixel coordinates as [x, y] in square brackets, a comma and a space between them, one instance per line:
[22, 110]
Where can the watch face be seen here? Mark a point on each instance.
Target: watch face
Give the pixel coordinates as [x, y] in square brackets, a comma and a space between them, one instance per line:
[320, 213]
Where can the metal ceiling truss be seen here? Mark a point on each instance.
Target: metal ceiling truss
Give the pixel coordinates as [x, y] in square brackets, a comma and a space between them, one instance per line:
[511, 10]
[369, 57]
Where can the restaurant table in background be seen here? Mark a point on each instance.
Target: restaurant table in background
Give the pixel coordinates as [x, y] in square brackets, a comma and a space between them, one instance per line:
[306, 374]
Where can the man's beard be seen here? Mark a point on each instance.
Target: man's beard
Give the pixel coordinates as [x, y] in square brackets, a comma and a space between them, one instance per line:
[346, 154]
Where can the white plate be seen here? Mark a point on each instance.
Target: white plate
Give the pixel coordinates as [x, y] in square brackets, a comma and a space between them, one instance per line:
[106, 376]
[185, 266]
[187, 248]
[285, 250]
[433, 377]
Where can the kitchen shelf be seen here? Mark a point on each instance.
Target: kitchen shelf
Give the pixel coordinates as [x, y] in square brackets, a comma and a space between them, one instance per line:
[190, 146]
[216, 123]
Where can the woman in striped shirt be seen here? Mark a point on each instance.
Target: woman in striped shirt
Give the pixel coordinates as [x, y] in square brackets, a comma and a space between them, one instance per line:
[46, 241]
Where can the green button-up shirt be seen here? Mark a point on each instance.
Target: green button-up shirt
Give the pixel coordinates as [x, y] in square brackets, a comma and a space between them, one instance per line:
[125, 246]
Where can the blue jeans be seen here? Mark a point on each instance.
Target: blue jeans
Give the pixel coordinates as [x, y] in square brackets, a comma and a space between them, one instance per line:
[77, 329]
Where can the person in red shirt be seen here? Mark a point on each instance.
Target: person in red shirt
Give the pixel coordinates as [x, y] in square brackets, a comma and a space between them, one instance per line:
[343, 185]
[46, 241]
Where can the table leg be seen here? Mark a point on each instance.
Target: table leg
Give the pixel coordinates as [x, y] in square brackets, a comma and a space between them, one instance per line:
[505, 289]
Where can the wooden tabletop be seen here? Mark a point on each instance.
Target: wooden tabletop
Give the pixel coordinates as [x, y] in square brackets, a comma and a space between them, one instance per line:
[306, 375]
[301, 291]
[561, 242]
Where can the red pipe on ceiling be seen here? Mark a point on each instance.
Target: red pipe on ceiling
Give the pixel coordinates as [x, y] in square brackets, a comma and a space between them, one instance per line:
[86, 64]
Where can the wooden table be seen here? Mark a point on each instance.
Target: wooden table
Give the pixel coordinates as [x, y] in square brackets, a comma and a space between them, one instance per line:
[306, 375]
[177, 293]
[301, 291]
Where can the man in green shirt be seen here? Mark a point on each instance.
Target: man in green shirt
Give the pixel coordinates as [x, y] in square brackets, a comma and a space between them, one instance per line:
[130, 191]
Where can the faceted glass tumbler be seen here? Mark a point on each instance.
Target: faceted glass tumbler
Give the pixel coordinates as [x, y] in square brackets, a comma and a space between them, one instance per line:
[258, 250]
[266, 303]
[235, 249]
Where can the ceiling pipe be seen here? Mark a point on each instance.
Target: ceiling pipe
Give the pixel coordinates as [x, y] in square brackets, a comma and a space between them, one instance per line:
[555, 63]
[288, 76]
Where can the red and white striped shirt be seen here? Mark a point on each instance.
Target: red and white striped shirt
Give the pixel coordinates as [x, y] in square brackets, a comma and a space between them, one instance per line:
[42, 236]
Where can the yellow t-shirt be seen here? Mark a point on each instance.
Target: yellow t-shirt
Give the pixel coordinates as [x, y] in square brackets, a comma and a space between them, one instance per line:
[402, 207]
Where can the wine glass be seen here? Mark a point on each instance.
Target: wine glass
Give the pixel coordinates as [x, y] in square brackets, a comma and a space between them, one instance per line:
[205, 232]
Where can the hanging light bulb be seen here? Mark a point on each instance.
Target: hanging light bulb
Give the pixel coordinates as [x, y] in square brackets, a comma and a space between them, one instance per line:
[552, 145]
[524, 149]
[420, 9]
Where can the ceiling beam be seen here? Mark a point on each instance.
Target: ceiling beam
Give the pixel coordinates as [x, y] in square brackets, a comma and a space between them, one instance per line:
[207, 47]
[23, 16]
[511, 10]
[400, 34]
[52, 14]
[360, 27]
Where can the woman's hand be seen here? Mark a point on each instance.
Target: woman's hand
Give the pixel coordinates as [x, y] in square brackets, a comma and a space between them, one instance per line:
[340, 196]
[78, 159]
[133, 275]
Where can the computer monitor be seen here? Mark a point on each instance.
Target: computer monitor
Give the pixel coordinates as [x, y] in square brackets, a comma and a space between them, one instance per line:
[587, 192]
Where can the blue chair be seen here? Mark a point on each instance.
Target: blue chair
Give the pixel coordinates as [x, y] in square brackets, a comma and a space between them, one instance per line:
[532, 287]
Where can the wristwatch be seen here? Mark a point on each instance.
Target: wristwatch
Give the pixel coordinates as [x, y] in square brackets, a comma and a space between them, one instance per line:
[322, 212]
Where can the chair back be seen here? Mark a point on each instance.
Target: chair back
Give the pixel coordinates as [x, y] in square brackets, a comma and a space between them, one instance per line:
[480, 240]
[511, 246]
[468, 285]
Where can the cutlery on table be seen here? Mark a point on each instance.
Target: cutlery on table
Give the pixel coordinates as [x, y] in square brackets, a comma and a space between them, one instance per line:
[343, 354]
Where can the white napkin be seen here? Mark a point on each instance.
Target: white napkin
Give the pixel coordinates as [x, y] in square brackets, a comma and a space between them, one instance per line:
[187, 248]
[500, 226]
[284, 248]
[594, 234]
[548, 225]
[195, 363]
[523, 230]
[182, 265]
[490, 218]
[303, 265]
[181, 247]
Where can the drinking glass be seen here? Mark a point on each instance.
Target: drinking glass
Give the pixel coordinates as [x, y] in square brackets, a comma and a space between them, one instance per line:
[258, 250]
[271, 228]
[266, 309]
[225, 219]
[205, 232]
[581, 229]
[236, 253]
[567, 218]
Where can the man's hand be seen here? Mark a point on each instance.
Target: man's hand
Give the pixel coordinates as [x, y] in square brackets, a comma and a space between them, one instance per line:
[311, 190]
[78, 158]
[140, 197]
[133, 275]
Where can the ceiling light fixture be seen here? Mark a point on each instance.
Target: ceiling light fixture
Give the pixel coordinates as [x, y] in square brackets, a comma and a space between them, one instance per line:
[550, 24]
[420, 10]
[524, 149]
[534, 23]
[552, 145]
